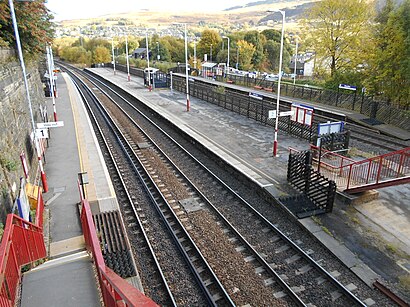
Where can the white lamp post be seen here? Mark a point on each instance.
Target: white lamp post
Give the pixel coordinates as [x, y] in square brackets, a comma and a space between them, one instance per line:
[211, 53]
[113, 55]
[237, 56]
[227, 62]
[51, 74]
[275, 142]
[23, 68]
[296, 60]
[146, 46]
[195, 52]
[188, 103]
[126, 55]
[158, 56]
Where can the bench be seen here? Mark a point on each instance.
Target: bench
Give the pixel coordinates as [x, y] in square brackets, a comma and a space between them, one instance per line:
[257, 87]
[268, 89]
[230, 82]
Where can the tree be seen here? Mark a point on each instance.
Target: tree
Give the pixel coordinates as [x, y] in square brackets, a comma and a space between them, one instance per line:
[391, 65]
[101, 54]
[272, 49]
[34, 23]
[258, 40]
[247, 51]
[338, 31]
[208, 38]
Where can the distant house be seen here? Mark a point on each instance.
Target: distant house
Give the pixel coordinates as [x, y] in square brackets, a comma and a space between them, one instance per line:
[305, 64]
[140, 53]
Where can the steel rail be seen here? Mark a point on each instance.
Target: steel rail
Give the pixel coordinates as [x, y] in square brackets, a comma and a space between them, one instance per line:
[148, 186]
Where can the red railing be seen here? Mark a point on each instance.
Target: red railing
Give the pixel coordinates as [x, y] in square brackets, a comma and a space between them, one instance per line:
[22, 244]
[356, 176]
[115, 290]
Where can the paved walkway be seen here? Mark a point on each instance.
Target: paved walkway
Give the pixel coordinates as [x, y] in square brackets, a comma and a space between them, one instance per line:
[247, 145]
[68, 279]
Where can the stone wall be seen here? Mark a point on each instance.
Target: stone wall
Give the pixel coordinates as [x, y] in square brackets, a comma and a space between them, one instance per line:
[16, 127]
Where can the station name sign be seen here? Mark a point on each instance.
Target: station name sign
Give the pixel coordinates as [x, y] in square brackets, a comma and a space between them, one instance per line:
[348, 87]
[50, 125]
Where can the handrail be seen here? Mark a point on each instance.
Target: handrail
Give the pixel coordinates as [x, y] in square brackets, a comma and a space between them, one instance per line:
[391, 167]
[22, 244]
[115, 291]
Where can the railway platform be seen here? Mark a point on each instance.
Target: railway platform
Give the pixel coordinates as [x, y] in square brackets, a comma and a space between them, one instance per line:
[68, 278]
[247, 146]
[352, 116]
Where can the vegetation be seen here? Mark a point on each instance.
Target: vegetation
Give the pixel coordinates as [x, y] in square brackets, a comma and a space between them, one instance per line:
[357, 46]
[34, 25]
[351, 44]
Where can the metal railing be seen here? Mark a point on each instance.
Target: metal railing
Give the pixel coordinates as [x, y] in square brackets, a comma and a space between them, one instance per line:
[22, 244]
[357, 176]
[115, 290]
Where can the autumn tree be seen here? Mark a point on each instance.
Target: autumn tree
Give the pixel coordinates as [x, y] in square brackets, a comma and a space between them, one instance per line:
[34, 25]
[101, 54]
[338, 32]
[246, 55]
[208, 38]
[258, 40]
[391, 62]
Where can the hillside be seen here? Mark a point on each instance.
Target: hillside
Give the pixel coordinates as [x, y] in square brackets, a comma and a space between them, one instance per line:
[250, 16]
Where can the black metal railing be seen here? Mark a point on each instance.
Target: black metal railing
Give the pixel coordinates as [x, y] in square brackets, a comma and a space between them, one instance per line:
[317, 192]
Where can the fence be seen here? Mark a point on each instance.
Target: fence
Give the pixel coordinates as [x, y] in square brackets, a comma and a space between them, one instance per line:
[245, 105]
[115, 290]
[380, 110]
[22, 244]
[318, 192]
[256, 109]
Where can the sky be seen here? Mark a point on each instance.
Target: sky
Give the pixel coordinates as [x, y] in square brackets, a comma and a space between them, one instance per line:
[77, 9]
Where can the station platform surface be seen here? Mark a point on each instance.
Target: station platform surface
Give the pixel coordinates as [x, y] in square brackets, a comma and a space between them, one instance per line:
[247, 145]
[68, 278]
[353, 116]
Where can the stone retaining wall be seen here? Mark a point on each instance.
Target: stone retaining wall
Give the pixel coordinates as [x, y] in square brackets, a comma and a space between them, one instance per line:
[15, 127]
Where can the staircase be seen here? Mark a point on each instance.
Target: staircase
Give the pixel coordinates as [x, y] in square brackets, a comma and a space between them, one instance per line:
[358, 176]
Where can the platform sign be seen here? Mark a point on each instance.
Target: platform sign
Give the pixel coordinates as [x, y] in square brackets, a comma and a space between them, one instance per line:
[330, 127]
[286, 113]
[272, 114]
[42, 133]
[255, 95]
[347, 87]
[50, 124]
[302, 114]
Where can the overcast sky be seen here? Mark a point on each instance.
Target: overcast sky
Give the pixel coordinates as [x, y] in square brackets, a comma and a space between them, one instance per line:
[75, 9]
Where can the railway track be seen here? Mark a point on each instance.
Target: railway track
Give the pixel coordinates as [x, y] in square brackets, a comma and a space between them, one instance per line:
[286, 263]
[210, 292]
[284, 256]
[371, 140]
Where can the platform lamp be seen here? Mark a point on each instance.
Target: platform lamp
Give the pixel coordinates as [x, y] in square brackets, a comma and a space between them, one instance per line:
[188, 103]
[275, 142]
[296, 61]
[128, 60]
[194, 52]
[237, 56]
[227, 62]
[23, 68]
[148, 69]
[113, 54]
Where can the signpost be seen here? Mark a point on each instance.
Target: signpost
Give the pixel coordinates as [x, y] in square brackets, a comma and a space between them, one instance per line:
[346, 87]
[255, 95]
[50, 125]
[42, 133]
[302, 114]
